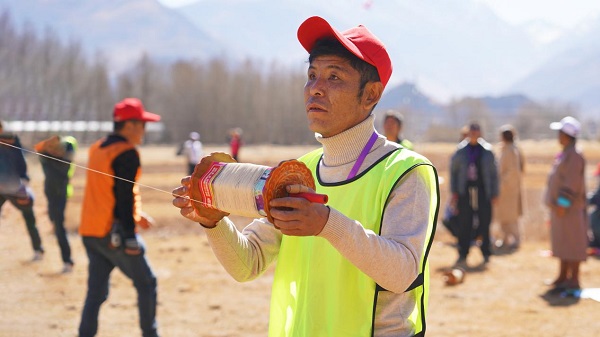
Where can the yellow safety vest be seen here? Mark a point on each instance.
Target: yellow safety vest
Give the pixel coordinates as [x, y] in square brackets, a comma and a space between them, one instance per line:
[316, 291]
[71, 140]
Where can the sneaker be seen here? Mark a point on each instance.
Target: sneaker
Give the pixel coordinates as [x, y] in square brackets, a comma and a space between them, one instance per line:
[486, 259]
[67, 268]
[38, 255]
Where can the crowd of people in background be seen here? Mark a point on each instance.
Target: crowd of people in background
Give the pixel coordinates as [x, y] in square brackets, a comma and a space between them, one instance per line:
[486, 186]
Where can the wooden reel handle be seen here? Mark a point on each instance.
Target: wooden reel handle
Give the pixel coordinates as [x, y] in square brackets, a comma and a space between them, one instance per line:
[289, 172]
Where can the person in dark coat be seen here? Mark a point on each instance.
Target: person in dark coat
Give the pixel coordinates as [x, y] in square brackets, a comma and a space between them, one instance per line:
[474, 187]
[13, 186]
[58, 153]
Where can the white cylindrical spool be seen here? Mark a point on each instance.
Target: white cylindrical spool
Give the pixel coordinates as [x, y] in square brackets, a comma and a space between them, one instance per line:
[238, 189]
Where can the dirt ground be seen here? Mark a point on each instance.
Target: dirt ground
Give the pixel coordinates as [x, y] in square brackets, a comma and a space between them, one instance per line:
[198, 298]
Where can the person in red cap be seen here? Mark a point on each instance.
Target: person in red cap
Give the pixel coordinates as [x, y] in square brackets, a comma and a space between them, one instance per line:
[358, 265]
[111, 213]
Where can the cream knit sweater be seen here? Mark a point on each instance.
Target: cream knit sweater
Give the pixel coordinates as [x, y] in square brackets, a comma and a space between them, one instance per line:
[391, 260]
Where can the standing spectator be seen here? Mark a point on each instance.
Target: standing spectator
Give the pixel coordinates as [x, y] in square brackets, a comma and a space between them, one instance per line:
[358, 266]
[392, 127]
[567, 200]
[510, 200]
[594, 201]
[474, 188]
[57, 188]
[235, 143]
[13, 186]
[450, 216]
[192, 150]
[110, 212]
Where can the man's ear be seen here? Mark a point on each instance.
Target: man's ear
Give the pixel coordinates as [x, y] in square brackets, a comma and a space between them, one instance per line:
[372, 94]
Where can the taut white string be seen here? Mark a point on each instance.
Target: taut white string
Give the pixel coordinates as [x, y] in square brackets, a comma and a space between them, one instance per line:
[100, 172]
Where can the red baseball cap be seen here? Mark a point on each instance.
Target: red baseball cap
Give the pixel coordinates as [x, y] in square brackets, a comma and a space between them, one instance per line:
[132, 108]
[358, 40]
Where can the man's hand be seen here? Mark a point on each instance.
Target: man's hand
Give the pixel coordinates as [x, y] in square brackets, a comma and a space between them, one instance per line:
[146, 221]
[133, 246]
[298, 216]
[182, 201]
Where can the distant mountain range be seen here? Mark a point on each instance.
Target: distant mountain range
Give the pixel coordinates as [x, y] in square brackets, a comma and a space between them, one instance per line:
[120, 30]
[448, 48]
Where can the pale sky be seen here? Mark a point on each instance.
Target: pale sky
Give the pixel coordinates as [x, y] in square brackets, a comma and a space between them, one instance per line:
[565, 13]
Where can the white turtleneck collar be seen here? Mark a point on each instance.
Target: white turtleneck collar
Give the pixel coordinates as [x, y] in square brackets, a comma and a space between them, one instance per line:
[345, 147]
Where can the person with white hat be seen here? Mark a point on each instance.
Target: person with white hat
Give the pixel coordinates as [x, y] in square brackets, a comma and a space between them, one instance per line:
[192, 149]
[566, 199]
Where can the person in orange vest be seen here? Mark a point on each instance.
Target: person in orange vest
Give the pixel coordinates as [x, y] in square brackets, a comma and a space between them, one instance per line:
[111, 213]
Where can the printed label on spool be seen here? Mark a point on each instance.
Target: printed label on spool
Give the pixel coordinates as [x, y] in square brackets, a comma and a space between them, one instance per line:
[205, 184]
[258, 192]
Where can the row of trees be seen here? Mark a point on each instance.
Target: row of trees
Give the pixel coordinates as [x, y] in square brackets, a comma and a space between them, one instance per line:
[44, 78]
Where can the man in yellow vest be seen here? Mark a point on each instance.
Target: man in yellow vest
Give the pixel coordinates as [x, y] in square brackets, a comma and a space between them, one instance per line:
[111, 211]
[358, 266]
[57, 187]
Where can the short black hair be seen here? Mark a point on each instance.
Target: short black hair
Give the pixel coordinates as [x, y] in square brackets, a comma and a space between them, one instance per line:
[474, 126]
[331, 46]
[118, 126]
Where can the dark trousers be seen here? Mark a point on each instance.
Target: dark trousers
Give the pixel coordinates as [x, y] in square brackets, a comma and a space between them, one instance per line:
[102, 261]
[26, 209]
[191, 167]
[474, 205]
[56, 211]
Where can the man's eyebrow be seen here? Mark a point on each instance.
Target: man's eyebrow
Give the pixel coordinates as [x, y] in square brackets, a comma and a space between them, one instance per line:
[331, 66]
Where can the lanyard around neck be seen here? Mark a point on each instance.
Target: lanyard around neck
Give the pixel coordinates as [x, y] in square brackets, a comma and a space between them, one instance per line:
[362, 156]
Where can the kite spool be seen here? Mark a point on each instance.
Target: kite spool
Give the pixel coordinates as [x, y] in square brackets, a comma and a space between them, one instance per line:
[220, 186]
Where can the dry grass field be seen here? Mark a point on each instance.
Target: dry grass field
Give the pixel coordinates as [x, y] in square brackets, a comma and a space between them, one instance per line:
[198, 298]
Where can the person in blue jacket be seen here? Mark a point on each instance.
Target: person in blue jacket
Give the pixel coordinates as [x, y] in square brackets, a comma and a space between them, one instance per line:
[13, 186]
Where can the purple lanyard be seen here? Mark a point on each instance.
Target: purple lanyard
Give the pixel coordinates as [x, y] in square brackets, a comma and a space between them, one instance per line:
[362, 156]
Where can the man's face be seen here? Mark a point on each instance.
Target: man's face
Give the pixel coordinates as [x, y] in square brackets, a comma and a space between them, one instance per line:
[474, 134]
[137, 130]
[391, 127]
[331, 96]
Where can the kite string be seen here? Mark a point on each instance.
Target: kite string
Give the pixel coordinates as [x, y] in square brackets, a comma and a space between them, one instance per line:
[100, 172]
